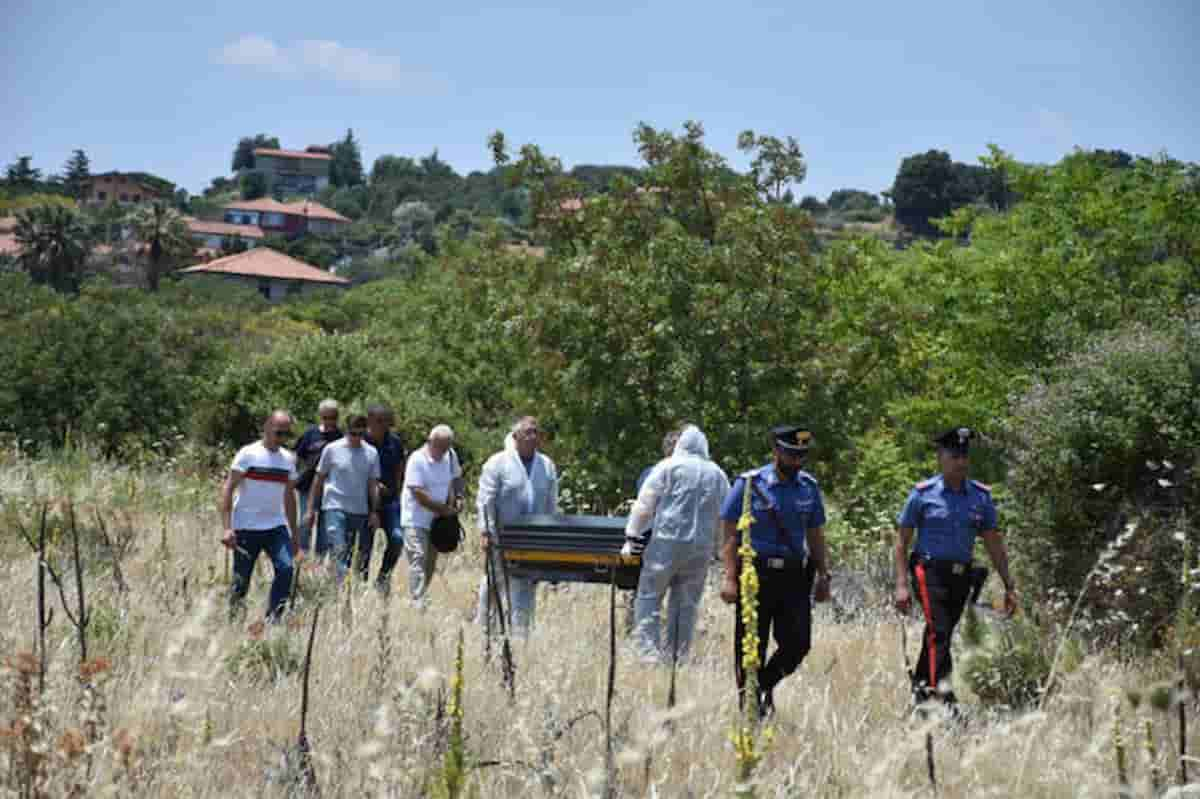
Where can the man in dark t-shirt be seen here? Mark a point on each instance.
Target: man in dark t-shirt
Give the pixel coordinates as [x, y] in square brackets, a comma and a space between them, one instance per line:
[308, 452]
[392, 459]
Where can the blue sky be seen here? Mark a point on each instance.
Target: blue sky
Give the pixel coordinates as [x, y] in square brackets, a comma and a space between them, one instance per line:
[169, 87]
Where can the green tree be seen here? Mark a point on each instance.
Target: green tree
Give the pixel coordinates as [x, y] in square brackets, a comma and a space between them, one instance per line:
[852, 200]
[413, 223]
[777, 163]
[243, 152]
[76, 172]
[252, 185]
[166, 238]
[813, 205]
[21, 176]
[692, 296]
[925, 188]
[55, 243]
[346, 169]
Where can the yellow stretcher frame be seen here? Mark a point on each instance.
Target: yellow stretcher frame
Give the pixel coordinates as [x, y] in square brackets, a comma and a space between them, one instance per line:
[582, 558]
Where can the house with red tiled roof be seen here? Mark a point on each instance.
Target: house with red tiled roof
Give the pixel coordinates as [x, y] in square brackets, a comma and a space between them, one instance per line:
[293, 171]
[272, 273]
[289, 219]
[213, 235]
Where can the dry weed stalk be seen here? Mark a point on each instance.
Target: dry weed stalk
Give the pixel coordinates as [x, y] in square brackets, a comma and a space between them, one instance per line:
[454, 764]
[307, 777]
[44, 615]
[26, 736]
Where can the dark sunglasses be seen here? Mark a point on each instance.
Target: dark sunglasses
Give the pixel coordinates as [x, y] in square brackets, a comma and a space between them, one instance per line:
[357, 432]
[283, 433]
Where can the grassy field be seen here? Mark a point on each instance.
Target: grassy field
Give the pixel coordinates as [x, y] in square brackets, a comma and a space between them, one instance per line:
[187, 704]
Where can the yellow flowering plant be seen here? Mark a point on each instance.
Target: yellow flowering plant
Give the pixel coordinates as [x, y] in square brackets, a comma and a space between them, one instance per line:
[748, 750]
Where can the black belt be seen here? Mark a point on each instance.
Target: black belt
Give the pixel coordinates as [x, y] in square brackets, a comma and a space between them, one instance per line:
[956, 568]
[780, 564]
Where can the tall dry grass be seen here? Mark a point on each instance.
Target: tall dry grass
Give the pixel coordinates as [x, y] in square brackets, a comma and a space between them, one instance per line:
[195, 706]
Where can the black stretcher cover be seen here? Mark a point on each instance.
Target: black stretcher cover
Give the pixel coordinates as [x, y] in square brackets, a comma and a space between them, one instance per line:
[569, 548]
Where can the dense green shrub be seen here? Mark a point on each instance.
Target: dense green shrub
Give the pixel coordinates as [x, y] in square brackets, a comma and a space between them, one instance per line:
[356, 369]
[103, 365]
[882, 475]
[1103, 456]
[1011, 666]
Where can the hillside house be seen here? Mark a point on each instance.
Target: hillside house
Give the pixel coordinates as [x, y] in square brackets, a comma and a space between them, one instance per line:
[289, 219]
[275, 275]
[122, 188]
[293, 171]
[213, 235]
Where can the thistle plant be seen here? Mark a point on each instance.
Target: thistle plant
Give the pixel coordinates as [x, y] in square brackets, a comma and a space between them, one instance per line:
[747, 748]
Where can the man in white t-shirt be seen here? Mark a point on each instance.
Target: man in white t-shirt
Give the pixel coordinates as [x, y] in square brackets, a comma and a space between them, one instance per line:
[346, 490]
[432, 488]
[258, 510]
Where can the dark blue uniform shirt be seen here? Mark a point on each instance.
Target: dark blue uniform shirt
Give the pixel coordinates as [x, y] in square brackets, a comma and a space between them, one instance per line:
[947, 521]
[391, 452]
[798, 506]
[308, 452]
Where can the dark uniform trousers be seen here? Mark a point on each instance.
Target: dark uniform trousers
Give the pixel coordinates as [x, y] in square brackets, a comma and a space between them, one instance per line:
[784, 609]
[942, 589]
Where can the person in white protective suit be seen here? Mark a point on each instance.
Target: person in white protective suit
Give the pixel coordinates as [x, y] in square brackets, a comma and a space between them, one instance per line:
[681, 501]
[516, 481]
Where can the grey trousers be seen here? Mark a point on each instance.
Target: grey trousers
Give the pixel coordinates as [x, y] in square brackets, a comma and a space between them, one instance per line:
[422, 558]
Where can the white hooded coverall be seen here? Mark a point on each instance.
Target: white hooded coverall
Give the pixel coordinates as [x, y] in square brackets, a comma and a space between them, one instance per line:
[681, 500]
[507, 491]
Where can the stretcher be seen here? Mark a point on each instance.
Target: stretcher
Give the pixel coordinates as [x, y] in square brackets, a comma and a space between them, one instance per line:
[569, 548]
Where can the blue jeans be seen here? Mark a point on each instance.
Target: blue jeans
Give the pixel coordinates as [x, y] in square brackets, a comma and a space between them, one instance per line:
[322, 543]
[389, 520]
[277, 544]
[346, 532]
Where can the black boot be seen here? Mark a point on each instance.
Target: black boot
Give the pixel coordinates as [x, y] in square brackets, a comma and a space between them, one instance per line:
[766, 703]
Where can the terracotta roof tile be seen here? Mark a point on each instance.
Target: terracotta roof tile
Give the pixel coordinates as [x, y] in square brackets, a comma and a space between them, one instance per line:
[267, 204]
[265, 262]
[311, 208]
[314, 210]
[203, 227]
[292, 154]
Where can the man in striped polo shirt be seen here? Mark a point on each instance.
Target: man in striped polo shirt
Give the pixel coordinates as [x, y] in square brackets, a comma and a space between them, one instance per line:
[258, 509]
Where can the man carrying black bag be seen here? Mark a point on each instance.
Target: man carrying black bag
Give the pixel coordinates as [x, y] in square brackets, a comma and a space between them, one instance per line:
[432, 490]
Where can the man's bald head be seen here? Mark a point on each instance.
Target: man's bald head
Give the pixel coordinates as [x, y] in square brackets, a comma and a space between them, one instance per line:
[277, 429]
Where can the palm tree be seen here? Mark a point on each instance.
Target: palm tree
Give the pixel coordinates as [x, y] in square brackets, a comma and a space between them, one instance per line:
[54, 244]
[162, 229]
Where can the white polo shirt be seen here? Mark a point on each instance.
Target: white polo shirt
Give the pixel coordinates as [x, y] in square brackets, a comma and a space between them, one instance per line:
[258, 503]
[433, 476]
